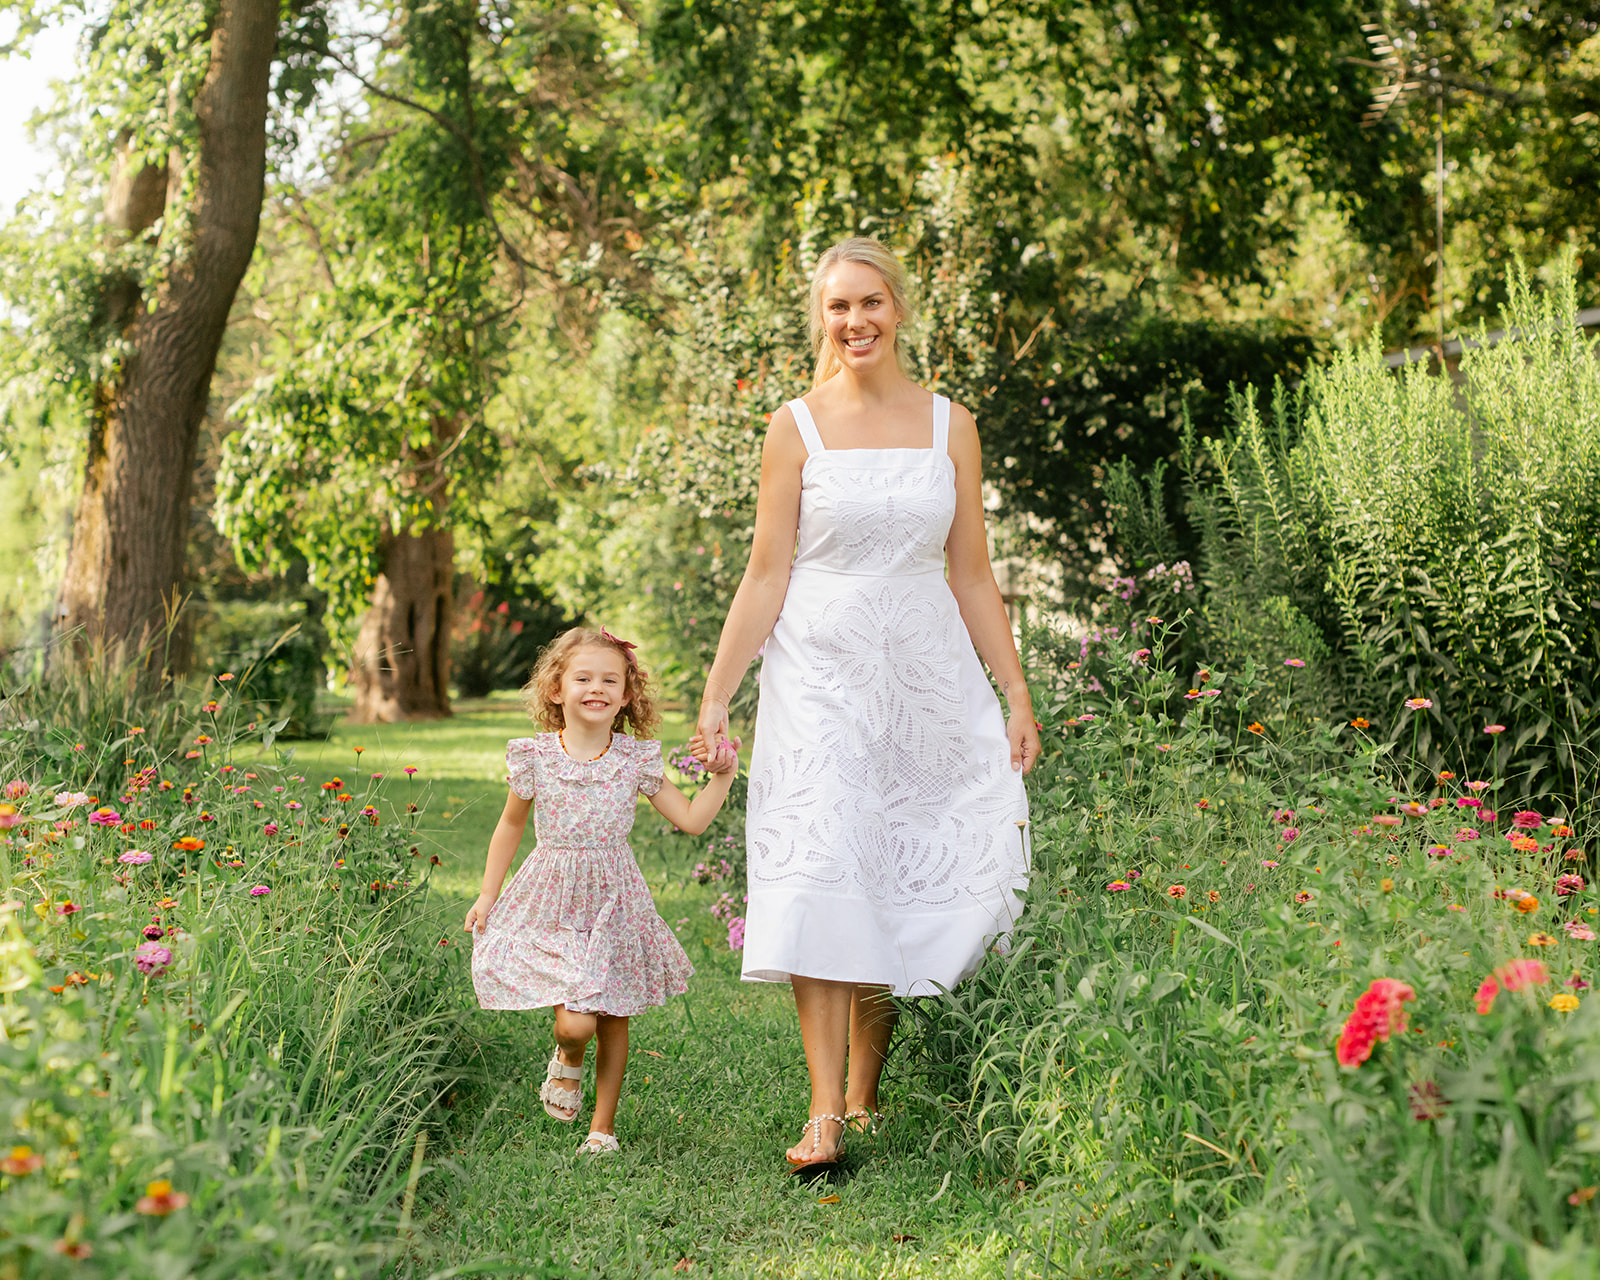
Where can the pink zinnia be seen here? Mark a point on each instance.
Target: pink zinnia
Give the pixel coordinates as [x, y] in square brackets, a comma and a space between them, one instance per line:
[1469, 802]
[1578, 931]
[1514, 976]
[1477, 786]
[150, 958]
[1527, 820]
[1117, 886]
[1494, 728]
[1289, 834]
[1571, 882]
[1379, 1013]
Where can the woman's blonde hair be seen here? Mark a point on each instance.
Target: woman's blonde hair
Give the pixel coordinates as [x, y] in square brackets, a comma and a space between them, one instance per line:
[542, 694]
[868, 252]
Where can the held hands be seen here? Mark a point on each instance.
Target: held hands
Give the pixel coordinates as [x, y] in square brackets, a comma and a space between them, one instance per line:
[478, 914]
[723, 760]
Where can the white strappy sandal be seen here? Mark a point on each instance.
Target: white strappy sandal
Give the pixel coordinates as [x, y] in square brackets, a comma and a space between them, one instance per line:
[808, 1169]
[554, 1097]
[599, 1144]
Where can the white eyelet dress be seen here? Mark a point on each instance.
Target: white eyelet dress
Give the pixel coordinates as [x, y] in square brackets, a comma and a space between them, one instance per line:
[885, 824]
[576, 925]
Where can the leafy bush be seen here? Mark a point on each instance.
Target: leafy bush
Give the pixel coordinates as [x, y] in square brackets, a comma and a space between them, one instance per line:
[226, 1014]
[1158, 1054]
[279, 647]
[1430, 541]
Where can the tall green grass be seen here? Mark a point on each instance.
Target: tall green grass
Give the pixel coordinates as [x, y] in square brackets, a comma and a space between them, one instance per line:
[278, 1064]
[1155, 1055]
[1424, 540]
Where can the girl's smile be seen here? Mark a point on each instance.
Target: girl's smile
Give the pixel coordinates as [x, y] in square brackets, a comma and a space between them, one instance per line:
[594, 688]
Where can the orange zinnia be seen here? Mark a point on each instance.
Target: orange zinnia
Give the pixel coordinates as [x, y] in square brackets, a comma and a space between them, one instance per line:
[189, 844]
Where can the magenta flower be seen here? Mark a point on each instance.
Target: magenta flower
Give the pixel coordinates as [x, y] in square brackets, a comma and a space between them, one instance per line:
[153, 931]
[105, 818]
[1527, 820]
[1469, 802]
[1289, 834]
[1418, 704]
[1139, 655]
[1578, 931]
[1571, 882]
[1117, 886]
[736, 934]
[1494, 728]
[1414, 810]
[271, 829]
[1477, 786]
[1269, 864]
[1440, 850]
[294, 804]
[137, 857]
[1294, 662]
[410, 769]
[151, 958]
[1466, 833]
[1487, 815]
[16, 789]
[260, 891]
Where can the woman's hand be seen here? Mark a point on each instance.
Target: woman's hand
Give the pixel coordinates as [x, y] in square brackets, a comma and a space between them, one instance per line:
[720, 761]
[713, 727]
[1024, 736]
[478, 914]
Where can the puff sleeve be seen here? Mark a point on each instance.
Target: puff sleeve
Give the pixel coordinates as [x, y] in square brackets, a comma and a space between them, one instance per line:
[519, 766]
[652, 770]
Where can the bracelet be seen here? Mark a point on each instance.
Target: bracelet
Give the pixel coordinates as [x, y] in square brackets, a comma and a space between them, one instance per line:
[706, 697]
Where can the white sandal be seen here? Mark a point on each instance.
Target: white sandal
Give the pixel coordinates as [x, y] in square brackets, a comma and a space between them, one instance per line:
[554, 1096]
[599, 1144]
[808, 1169]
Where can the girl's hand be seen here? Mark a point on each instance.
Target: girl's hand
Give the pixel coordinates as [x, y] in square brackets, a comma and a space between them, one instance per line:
[478, 914]
[723, 759]
[712, 727]
[1024, 736]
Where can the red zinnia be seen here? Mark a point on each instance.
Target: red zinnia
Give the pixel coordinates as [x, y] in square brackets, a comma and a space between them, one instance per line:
[1379, 1013]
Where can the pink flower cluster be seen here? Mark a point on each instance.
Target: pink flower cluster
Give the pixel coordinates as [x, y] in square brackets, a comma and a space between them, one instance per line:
[1511, 977]
[1379, 1014]
[736, 934]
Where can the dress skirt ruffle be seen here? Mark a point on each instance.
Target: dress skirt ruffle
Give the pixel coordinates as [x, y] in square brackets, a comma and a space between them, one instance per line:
[577, 927]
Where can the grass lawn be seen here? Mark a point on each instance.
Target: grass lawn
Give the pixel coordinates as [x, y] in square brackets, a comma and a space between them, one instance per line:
[716, 1090]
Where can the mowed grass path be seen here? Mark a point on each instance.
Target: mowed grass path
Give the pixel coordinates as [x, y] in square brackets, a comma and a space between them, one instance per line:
[716, 1090]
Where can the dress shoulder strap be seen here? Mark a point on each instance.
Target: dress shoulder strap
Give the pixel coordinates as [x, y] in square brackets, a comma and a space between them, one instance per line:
[808, 427]
[941, 424]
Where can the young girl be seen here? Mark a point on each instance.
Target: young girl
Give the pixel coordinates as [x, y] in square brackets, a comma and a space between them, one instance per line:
[576, 928]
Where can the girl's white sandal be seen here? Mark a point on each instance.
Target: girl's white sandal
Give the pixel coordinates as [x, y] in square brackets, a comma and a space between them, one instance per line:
[599, 1144]
[556, 1099]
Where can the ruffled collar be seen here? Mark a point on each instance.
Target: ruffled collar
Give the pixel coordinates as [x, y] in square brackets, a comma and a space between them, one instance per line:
[563, 766]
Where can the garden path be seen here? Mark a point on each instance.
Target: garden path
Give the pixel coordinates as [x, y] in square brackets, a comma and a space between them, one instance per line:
[715, 1091]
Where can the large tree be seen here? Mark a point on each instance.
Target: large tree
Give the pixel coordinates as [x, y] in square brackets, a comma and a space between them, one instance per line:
[128, 306]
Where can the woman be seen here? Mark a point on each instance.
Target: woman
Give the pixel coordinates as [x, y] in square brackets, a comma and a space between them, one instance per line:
[886, 799]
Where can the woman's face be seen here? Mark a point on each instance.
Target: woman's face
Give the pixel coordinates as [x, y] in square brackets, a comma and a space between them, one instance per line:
[859, 316]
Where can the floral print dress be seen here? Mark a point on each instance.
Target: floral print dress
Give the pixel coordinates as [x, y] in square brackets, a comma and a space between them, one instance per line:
[576, 925]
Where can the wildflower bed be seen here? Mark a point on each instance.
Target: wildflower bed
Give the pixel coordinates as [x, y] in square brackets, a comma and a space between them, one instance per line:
[227, 1012]
[1266, 1015]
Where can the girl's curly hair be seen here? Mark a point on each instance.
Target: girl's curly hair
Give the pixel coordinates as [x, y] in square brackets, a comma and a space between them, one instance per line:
[542, 694]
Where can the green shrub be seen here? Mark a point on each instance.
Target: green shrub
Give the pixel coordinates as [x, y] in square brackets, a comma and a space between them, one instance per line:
[1217, 880]
[280, 650]
[274, 1051]
[1431, 541]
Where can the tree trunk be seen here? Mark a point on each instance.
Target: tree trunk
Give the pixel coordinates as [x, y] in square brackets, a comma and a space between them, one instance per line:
[402, 656]
[131, 529]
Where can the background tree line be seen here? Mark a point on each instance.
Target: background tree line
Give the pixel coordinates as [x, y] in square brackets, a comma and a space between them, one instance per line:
[429, 320]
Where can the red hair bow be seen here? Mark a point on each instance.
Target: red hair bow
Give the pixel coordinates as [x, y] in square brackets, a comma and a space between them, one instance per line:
[627, 647]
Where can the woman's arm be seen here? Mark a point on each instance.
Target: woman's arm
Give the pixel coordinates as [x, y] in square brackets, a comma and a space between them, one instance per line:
[693, 816]
[977, 595]
[502, 849]
[759, 599]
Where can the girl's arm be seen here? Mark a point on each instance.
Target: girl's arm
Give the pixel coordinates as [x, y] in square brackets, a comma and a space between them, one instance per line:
[759, 599]
[693, 816]
[978, 596]
[502, 849]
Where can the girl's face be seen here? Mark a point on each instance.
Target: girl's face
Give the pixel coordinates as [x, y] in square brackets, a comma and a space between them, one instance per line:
[594, 687]
[859, 316]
